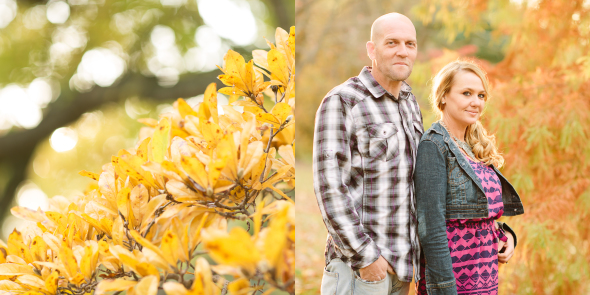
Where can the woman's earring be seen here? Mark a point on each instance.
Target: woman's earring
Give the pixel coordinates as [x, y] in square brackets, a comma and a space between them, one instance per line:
[443, 102]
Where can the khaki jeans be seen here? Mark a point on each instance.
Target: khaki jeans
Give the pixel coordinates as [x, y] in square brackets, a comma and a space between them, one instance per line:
[340, 279]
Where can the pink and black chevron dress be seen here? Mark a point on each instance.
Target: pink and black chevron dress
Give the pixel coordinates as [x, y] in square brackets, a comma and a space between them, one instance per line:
[473, 242]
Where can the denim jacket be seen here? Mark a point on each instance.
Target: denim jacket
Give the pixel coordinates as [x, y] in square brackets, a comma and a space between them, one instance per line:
[448, 188]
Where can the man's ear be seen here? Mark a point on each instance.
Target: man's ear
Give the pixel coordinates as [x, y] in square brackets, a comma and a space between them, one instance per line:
[371, 50]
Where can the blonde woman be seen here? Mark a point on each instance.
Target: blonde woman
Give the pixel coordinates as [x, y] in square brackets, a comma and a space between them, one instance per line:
[459, 190]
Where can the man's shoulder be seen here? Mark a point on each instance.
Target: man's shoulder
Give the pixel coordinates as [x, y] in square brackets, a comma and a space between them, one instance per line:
[351, 92]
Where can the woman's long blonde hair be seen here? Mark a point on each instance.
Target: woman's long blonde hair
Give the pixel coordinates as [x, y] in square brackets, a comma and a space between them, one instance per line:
[482, 143]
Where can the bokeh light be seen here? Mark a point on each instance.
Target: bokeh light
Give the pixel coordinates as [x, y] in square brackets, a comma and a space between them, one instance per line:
[17, 108]
[34, 17]
[32, 197]
[230, 19]
[40, 92]
[100, 66]
[58, 12]
[173, 3]
[63, 139]
[7, 12]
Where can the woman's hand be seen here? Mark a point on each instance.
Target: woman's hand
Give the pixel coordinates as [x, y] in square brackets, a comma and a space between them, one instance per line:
[508, 249]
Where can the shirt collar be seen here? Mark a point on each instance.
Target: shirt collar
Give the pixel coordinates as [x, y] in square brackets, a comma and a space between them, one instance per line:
[376, 89]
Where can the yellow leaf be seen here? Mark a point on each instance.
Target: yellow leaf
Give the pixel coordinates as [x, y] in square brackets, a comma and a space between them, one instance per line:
[88, 262]
[3, 254]
[278, 67]
[51, 282]
[170, 247]
[235, 248]
[66, 256]
[212, 133]
[10, 286]
[215, 168]
[258, 218]
[118, 232]
[232, 114]
[142, 149]
[286, 44]
[203, 283]
[277, 176]
[107, 224]
[148, 121]
[89, 174]
[181, 191]
[276, 237]
[268, 118]
[146, 269]
[131, 165]
[11, 269]
[138, 200]
[160, 141]
[252, 158]
[195, 236]
[239, 287]
[151, 208]
[232, 91]
[291, 40]
[106, 183]
[196, 170]
[210, 99]
[39, 249]
[28, 214]
[245, 103]
[241, 75]
[260, 58]
[147, 244]
[234, 69]
[147, 286]
[281, 111]
[184, 109]
[123, 203]
[114, 285]
[32, 282]
[93, 222]
[17, 247]
[227, 150]
[175, 288]
[287, 153]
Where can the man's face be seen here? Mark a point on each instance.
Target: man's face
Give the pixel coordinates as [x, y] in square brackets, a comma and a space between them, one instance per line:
[394, 50]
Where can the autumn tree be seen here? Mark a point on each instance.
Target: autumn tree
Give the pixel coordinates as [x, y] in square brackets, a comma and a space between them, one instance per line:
[537, 57]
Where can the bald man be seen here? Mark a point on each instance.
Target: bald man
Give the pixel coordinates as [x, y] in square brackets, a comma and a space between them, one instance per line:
[366, 136]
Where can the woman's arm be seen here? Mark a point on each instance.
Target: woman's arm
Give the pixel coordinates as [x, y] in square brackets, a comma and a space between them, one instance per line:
[430, 180]
[508, 229]
[509, 246]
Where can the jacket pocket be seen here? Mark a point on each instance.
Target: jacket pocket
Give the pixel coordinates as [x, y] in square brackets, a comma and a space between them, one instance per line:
[383, 144]
[457, 182]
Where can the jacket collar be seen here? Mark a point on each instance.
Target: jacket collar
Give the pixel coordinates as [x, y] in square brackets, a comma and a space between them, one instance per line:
[377, 90]
[454, 149]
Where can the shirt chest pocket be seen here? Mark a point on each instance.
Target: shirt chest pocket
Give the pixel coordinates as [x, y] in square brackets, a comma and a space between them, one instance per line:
[382, 143]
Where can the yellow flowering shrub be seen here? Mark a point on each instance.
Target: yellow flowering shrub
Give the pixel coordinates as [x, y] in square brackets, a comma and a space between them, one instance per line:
[157, 215]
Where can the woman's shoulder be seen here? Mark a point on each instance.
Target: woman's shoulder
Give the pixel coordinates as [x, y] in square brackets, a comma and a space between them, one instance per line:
[435, 134]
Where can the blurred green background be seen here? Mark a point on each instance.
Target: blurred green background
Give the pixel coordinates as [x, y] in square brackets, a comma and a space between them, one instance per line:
[76, 75]
[537, 57]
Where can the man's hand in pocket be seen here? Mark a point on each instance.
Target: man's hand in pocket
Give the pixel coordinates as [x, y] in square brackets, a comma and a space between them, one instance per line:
[376, 271]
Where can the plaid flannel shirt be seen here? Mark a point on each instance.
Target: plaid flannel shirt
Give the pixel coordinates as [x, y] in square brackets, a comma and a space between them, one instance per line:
[365, 144]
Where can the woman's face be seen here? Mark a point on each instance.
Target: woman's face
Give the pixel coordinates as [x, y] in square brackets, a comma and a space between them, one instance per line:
[465, 101]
